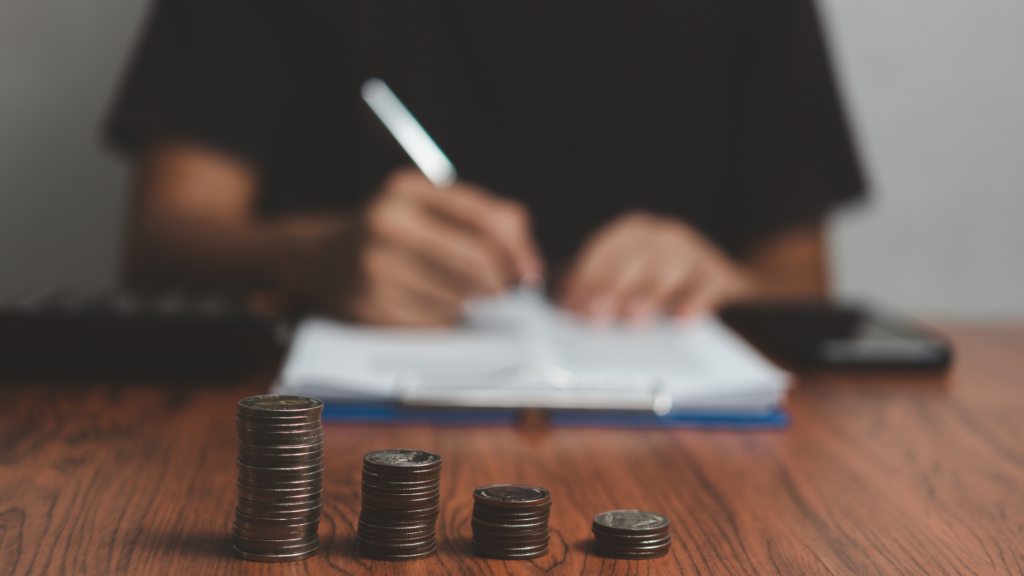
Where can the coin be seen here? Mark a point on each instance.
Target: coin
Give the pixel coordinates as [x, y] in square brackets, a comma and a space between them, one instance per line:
[505, 541]
[313, 511]
[509, 527]
[294, 525]
[259, 472]
[258, 544]
[275, 464]
[630, 522]
[503, 555]
[632, 549]
[370, 552]
[411, 476]
[271, 549]
[311, 483]
[401, 488]
[281, 438]
[280, 405]
[630, 556]
[276, 557]
[511, 495]
[281, 449]
[243, 426]
[286, 491]
[277, 419]
[512, 512]
[402, 459]
[242, 531]
[269, 521]
[282, 456]
[281, 499]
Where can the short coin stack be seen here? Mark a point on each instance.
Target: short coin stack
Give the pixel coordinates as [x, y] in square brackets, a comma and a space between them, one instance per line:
[280, 478]
[631, 534]
[510, 521]
[401, 500]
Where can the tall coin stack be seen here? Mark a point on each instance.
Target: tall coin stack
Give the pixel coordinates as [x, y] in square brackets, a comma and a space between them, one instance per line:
[631, 534]
[510, 521]
[280, 478]
[401, 501]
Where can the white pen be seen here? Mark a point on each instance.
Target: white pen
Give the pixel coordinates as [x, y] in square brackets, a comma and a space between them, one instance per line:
[424, 152]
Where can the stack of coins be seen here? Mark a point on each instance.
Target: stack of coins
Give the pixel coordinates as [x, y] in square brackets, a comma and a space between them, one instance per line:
[631, 534]
[510, 521]
[401, 501]
[280, 475]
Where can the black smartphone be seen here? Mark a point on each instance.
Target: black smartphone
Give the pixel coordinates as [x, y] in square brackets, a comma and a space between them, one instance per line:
[815, 335]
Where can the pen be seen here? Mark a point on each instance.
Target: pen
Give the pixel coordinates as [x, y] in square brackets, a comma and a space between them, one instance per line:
[424, 152]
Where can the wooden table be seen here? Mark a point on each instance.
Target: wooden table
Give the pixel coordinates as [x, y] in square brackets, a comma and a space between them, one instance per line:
[878, 475]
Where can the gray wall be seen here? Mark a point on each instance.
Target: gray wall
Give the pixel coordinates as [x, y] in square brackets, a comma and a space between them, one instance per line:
[935, 87]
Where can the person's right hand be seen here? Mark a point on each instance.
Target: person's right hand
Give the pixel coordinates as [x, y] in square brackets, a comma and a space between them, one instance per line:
[423, 250]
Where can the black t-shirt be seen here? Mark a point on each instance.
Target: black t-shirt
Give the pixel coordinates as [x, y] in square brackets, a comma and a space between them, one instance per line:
[723, 113]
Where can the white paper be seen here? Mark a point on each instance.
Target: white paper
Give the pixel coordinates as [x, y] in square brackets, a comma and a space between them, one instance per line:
[518, 352]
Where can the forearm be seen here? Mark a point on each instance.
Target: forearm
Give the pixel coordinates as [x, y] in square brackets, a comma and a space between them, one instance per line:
[192, 226]
[189, 252]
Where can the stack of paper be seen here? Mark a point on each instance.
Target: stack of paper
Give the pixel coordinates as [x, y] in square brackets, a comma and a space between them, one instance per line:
[515, 352]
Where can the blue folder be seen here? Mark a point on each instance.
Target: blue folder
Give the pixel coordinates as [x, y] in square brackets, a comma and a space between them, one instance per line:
[393, 414]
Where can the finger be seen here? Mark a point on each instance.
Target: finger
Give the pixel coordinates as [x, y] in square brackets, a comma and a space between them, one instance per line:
[391, 305]
[457, 251]
[505, 223]
[438, 292]
[588, 283]
[703, 296]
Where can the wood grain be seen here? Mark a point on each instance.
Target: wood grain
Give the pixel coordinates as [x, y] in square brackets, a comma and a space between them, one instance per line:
[878, 475]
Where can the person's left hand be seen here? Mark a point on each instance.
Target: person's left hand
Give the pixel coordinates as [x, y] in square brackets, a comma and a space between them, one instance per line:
[640, 265]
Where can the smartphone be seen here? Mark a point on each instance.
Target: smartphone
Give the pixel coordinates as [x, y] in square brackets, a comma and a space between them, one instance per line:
[817, 335]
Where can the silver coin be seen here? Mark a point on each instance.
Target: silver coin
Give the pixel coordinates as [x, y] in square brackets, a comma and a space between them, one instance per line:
[269, 524]
[511, 495]
[403, 459]
[276, 557]
[629, 522]
[280, 405]
[277, 419]
[312, 447]
[281, 499]
[297, 525]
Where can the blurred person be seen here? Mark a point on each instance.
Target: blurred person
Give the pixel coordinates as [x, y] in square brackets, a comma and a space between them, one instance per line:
[655, 157]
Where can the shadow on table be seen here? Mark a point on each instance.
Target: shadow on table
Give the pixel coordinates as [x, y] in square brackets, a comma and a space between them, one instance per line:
[200, 544]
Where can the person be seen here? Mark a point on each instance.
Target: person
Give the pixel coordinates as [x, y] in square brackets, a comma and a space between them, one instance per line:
[656, 157]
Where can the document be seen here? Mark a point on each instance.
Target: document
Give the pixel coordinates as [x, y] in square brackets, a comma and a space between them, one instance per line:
[515, 351]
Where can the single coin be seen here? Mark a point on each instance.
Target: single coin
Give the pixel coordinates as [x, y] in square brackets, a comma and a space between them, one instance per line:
[240, 540]
[513, 548]
[271, 549]
[259, 463]
[632, 549]
[631, 541]
[298, 419]
[403, 476]
[630, 556]
[512, 512]
[511, 495]
[401, 488]
[406, 542]
[383, 527]
[281, 438]
[269, 523]
[627, 522]
[509, 526]
[280, 405]
[276, 557]
[280, 492]
[512, 541]
[281, 499]
[297, 525]
[407, 460]
[396, 503]
[241, 531]
[501, 519]
[242, 425]
[280, 506]
[281, 449]
[313, 511]
[245, 542]
[396, 548]
[281, 456]
[262, 471]
[311, 483]
[489, 553]
[372, 554]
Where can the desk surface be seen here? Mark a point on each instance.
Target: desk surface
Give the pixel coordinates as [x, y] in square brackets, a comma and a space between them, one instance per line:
[878, 475]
